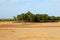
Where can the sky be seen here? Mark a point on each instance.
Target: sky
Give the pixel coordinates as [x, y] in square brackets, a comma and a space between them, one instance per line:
[10, 8]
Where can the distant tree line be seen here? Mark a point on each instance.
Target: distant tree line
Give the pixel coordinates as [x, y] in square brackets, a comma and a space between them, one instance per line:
[30, 17]
[6, 19]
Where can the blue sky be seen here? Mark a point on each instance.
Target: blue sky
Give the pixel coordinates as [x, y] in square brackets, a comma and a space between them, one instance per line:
[10, 8]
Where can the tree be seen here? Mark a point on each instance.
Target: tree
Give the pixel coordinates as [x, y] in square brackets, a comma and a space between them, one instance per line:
[45, 17]
[14, 18]
[21, 17]
[52, 18]
[29, 17]
[58, 18]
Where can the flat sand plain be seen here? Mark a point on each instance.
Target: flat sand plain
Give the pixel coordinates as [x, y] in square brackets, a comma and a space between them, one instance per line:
[29, 31]
[28, 25]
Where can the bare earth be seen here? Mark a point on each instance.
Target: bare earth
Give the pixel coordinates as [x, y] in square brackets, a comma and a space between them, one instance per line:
[29, 31]
[28, 25]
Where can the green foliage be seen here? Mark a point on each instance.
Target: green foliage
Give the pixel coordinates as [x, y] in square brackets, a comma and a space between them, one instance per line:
[30, 17]
[14, 18]
[6, 19]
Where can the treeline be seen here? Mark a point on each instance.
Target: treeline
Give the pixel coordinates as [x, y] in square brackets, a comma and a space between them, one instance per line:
[6, 19]
[30, 17]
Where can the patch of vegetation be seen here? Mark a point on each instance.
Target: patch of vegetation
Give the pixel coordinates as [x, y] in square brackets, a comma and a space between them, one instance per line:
[30, 17]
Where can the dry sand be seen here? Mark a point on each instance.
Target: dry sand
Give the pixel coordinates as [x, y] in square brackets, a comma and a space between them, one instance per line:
[50, 33]
[29, 31]
[29, 25]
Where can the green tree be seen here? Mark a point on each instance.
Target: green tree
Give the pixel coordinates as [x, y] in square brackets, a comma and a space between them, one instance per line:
[52, 18]
[29, 16]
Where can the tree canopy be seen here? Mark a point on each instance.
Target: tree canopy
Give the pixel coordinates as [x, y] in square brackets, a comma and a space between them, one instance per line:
[30, 17]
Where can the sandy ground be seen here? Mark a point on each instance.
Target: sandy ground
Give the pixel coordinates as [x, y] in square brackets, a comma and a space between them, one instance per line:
[29, 25]
[49, 33]
[29, 31]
